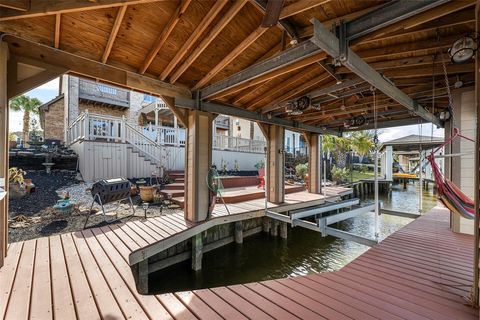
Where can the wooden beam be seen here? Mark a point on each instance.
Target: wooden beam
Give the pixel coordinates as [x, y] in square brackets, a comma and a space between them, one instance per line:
[281, 61]
[20, 5]
[92, 69]
[114, 32]
[290, 29]
[300, 6]
[219, 108]
[216, 8]
[181, 114]
[58, 23]
[328, 42]
[39, 8]
[231, 56]
[167, 30]
[274, 105]
[222, 23]
[424, 17]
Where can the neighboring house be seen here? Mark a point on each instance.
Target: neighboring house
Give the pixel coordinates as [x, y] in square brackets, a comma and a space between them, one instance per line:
[118, 132]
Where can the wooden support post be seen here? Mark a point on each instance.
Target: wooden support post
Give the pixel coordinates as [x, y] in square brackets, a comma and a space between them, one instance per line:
[283, 230]
[198, 161]
[239, 232]
[274, 228]
[3, 152]
[142, 276]
[315, 162]
[275, 166]
[266, 224]
[197, 252]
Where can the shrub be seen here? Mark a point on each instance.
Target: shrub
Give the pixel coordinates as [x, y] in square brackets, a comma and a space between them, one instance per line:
[301, 170]
[340, 175]
[260, 164]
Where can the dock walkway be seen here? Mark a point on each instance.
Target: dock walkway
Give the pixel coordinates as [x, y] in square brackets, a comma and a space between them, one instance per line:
[419, 272]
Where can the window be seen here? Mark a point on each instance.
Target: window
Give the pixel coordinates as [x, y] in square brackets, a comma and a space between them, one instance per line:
[148, 98]
[288, 143]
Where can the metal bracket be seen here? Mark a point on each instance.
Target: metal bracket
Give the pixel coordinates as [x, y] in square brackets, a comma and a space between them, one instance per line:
[343, 43]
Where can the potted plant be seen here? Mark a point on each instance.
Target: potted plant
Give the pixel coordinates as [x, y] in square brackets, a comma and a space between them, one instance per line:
[260, 166]
[16, 183]
[12, 141]
[302, 172]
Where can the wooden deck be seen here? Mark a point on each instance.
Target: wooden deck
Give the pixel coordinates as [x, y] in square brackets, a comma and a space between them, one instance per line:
[419, 272]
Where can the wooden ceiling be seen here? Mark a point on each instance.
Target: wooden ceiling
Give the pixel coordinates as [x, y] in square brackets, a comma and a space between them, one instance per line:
[194, 43]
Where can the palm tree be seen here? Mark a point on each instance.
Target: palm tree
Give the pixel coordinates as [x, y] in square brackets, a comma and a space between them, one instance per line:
[339, 146]
[27, 105]
[362, 143]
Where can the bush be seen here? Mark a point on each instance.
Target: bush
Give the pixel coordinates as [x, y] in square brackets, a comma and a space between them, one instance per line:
[301, 170]
[260, 164]
[340, 175]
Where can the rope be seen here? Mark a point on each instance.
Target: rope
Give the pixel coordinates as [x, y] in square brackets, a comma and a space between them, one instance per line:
[449, 93]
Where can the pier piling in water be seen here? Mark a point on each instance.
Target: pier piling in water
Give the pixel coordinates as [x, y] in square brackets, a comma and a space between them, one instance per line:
[197, 252]
[239, 232]
[283, 230]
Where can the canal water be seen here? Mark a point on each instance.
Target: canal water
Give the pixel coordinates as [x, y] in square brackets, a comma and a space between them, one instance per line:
[262, 257]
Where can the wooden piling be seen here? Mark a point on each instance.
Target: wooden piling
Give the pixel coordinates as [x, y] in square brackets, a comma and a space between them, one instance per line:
[266, 224]
[283, 230]
[197, 252]
[239, 232]
[274, 228]
[142, 276]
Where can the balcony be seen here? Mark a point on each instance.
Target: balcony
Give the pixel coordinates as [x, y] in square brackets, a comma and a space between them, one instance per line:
[222, 122]
[97, 92]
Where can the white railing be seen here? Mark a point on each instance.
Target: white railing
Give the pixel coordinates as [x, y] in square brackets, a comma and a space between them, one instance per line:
[103, 93]
[103, 127]
[143, 143]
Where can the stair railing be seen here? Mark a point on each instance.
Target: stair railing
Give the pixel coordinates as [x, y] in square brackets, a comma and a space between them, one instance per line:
[142, 142]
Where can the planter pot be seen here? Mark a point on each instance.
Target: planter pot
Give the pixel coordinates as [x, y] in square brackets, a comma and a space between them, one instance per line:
[146, 193]
[133, 190]
[261, 172]
[16, 191]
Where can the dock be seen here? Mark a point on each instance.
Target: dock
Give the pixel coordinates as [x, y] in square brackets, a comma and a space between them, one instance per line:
[422, 271]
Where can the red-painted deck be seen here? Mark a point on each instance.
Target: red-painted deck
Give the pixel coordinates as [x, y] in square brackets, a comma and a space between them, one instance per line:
[419, 272]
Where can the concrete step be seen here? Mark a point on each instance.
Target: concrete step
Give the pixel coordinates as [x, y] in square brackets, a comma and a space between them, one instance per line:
[175, 186]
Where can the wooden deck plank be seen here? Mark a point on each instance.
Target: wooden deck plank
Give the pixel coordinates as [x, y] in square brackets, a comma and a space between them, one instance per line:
[41, 305]
[248, 308]
[129, 241]
[149, 230]
[175, 307]
[164, 225]
[19, 304]
[141, 236]
[62, 297]
[197, 306]
[291, 306]
[305, 301]
[325, 299]
[380, 302]
[112, 246]
[220, 306]
[265, 305]
[106, 303]
[85, 305]
[124, 297]
[436, 305]
[7, 274]
[354, 302]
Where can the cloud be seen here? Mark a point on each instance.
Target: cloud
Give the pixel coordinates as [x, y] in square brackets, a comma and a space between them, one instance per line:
[399, 132]
[51, 85]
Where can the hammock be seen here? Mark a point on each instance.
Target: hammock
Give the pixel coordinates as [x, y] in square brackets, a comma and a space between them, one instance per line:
[453, 198]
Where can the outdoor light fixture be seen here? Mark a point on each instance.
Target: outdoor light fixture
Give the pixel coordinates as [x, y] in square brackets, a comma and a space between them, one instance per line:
[297, 107]
[463, 49]
[444, 115]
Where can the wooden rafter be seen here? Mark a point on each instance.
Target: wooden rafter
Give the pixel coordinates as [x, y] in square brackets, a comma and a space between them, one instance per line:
[300, 6]
[422, 18]
[20, 5]
[274, 105]
[58, 23]
[222, 23]
[114, 32]
[167, 30]
[216, 8]
[252, 37]
[40, 8]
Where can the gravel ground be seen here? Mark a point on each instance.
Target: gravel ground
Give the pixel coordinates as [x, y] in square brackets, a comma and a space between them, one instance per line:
[33, 216]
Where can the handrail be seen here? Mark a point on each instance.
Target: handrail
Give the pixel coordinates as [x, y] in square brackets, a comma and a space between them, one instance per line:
[144, 136]
[77, 119]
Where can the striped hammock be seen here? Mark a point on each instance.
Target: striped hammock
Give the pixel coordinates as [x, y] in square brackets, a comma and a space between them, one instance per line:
[453, 198]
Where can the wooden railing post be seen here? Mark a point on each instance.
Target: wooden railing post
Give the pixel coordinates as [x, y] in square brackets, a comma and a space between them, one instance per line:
[123, 127]
[86, 128]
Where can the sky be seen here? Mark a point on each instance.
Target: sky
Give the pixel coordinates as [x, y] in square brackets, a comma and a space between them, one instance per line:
[49, 91]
